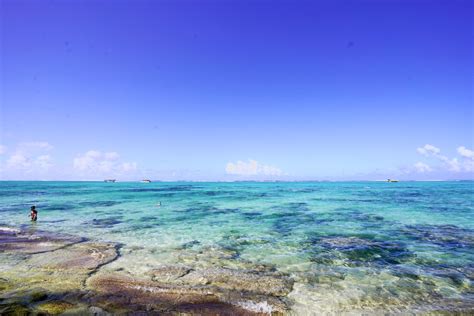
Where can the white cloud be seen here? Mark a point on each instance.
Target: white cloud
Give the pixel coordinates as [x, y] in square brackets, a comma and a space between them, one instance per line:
[251, 168]
[468, 158]
[466, 153]
[33, 160]
[469, 165]
[95, 162]
[18, 161]
[451, 164]
[428, 150]
[422, 167]
[3, 149]
[44, 161]
[29, 157]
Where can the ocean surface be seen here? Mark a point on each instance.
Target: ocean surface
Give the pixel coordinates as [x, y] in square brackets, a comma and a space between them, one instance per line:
[349, 246]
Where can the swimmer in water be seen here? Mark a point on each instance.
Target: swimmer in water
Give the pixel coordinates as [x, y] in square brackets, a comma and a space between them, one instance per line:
[34, 213]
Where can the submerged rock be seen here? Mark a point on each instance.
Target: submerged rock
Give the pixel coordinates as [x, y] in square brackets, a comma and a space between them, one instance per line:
[32, 241]
[257, 282]
[449, 236]
[169, 273]
[79, 258]
[356, 251]
[188, 295]
[64, 278]
[240, 280]
[64, 264]
[104, 222]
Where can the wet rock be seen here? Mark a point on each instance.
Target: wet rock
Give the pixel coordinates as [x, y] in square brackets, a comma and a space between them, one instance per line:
[58, 269]
[96, 311]
[38, 295]
[14, 309]
[211, 256]
[54, 307]
[242, 281]
[68, 280]
[80, 258]
[169, 273]
[4, 284]
[30, 242]
[258, 282]
[124, 291]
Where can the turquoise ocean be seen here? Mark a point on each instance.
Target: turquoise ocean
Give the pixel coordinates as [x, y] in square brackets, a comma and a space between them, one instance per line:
[349, 246]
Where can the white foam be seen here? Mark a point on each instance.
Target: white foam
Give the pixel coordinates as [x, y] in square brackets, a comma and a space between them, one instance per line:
[9, 229]
[258, 307]
[46, 244]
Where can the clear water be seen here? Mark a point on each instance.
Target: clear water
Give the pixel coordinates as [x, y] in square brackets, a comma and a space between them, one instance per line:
[349, 245]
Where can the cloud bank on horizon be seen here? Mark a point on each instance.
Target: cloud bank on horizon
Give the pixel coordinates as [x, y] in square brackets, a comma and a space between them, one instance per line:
[252, 168]
[34, 161]
[465, 163]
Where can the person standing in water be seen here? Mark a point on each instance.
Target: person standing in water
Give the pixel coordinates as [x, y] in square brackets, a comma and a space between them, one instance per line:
[34, 213]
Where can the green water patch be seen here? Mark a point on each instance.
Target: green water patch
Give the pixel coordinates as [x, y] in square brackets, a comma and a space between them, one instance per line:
[199, 212]
[15, 207]
[394, 196]
[180, 188]
[98, 203]
[298, 190]
[251, 215]
[54, 221]
[149, 218]
[345, 200]
[23, 193]
[56, 207]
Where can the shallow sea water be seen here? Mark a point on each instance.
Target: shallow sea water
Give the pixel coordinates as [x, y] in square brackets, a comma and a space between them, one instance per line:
[350, 246]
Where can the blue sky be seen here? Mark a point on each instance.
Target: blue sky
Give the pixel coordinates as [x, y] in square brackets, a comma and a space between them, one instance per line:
[224, 90]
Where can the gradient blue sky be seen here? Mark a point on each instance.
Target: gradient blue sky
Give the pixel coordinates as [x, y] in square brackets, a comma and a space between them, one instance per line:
[186, 89]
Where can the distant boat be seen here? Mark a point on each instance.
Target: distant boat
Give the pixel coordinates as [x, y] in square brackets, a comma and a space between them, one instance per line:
[110, 180]
[392, 180]
[146, 181]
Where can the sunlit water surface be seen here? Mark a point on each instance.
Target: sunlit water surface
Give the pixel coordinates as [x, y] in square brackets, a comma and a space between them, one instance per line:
[349, 245]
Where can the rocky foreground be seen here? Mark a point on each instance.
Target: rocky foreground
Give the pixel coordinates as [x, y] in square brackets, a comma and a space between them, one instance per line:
[47, 274]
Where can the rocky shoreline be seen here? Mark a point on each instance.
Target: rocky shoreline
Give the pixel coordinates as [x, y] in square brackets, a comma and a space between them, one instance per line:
[50, 274]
